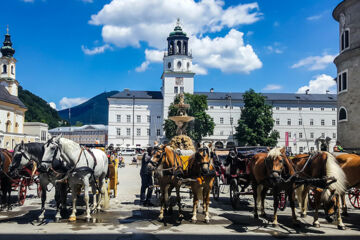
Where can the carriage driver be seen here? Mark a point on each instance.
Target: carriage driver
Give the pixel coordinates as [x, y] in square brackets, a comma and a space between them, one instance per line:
[146, 179]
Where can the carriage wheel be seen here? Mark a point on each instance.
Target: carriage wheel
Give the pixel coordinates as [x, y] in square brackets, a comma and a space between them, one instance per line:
[282, 201]
[234, 194]
[22, 192]
[354, 197]
[311, 197]
[216, 188]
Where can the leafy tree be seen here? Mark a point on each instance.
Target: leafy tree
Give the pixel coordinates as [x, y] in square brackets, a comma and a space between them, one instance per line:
[38, 110]
[256, 123]
[202, 126]
[78, 124]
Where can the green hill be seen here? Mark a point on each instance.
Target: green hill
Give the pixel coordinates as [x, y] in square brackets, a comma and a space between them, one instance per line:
[38, 109]
[93, 111]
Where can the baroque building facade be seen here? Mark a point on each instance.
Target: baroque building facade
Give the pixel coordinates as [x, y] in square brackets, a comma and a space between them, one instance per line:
[136, 118]
[347, 13]
[12, 110]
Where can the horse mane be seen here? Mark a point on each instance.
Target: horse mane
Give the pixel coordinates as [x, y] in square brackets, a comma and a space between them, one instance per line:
[68, 145]
[275, 152]
[36, 149]
[334, 170]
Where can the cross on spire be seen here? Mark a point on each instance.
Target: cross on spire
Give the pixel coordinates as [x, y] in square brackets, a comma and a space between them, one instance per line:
[178, 22]
[7, 29]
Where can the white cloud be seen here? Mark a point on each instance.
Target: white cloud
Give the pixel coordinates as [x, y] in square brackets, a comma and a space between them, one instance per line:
[52, 105]
[315, 62]
[31, 1]
[150, 56]
[199, 70]
[314, 18]
[320, 84]
[131, 22]
[95, 50]
[272, 87]
[273, 49]
[66, 102]
[229, 53]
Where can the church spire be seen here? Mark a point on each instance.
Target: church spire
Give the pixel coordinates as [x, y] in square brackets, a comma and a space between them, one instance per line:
[7, 50]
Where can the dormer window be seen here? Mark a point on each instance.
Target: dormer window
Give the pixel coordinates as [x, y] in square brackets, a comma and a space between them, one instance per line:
[342, 81]
[4, 70]
[345, 40]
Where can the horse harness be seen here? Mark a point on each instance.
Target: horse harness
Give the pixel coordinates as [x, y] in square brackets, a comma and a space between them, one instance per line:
[176, 170]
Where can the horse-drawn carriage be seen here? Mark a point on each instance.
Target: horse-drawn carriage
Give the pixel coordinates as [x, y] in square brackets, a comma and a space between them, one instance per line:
[232, 169]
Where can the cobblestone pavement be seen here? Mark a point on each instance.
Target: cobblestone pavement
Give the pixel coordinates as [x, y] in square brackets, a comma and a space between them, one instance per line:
[126, 219]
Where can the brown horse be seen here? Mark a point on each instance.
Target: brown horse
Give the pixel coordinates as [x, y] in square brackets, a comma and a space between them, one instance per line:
[5, 161]
[169, 170]
[350, 164]
[271, 170]
[201, 169]
[317, 166]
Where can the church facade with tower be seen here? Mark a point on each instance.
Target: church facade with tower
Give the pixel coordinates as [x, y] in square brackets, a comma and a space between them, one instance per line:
[136, 118]
[12, 110]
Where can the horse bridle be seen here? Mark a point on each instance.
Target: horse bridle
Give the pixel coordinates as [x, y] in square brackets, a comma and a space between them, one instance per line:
[280, 172]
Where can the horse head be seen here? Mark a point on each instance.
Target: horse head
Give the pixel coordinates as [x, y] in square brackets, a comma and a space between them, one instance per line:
[21, 157]
[157, 156]
[275, 164]
[52, 153]
[203, 160]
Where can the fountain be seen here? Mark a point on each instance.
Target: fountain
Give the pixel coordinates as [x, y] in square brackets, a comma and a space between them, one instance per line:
[181, 141]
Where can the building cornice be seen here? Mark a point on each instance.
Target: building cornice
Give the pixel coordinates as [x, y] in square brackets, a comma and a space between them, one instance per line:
[341, 7]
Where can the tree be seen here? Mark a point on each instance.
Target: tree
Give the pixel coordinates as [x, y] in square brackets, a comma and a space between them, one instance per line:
[202, 126]
[256, 123]
[78, 124]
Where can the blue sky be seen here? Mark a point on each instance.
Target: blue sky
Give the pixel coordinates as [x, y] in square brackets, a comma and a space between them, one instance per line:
[71, 50]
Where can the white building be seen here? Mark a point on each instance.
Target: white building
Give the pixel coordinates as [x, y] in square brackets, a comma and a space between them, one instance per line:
[136, 117]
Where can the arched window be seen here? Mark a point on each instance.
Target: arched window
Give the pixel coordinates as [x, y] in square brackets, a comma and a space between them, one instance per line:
[8, 126]
[12, 69]
[171, 50]
[4, 68]
[178, 47]
[16, 127]
[342, 114]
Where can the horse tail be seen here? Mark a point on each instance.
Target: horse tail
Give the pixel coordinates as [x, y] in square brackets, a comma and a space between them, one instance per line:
[105, 197]
[333, 169]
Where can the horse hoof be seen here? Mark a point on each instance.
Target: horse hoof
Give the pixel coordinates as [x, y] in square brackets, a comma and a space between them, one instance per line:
[193, 221]
[275, 224]
[263, 215]
[207, 221]
[341, 227]
[57, 219]
[302, 215]
[329, 219]
[317, 225]
[40, 219]
[72, 219]
[345, 214]
[160, 219]
[88, 220]
[256, 216]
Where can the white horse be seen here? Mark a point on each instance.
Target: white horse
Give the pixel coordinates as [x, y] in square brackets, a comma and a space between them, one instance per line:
[84, 168]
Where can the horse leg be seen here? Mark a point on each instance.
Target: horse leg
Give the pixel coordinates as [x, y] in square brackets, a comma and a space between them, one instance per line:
[344, 206]
[168, 205]
[43, 200]
[317, 200]
[86, 198]
[263, 195]
[206, 200]
[195, 190]
[291, 195]
[58, 201]
[178, 198]
[340, 223]
[74, 193]
[101, 193]
[275, 206]
[255, 195]
[162, 202]
[305, 198]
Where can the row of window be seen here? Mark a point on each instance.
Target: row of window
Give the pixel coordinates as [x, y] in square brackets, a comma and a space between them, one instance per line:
[138, 132]
[138, 118]
[301, 149]
[282, 108]
[221, 120]
[4, 69]
[312, 135]
[300, 122]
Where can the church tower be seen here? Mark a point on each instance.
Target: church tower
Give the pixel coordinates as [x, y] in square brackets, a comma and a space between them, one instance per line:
[8, 66]
[177, 76]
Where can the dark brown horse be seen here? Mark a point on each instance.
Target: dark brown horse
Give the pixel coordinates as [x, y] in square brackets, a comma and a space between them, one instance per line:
[201, 169]
[169, 170]
[5, 161]
[318, 166]
[272, 171]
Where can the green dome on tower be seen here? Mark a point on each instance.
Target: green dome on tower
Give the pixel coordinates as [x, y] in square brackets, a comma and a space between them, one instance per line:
[177, 30]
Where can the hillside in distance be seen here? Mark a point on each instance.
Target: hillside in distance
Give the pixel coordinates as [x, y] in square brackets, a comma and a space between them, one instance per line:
[93, 111]
[38, 110]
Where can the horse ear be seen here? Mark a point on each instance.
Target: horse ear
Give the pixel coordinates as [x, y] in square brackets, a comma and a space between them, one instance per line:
[282, 150]
[197, 145]
[57, 138]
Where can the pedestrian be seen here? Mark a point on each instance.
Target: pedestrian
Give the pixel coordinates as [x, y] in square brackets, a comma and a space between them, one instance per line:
[146, 179]
[338, 147]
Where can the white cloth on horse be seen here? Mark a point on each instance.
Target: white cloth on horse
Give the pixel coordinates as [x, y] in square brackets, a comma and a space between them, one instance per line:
[183, 152]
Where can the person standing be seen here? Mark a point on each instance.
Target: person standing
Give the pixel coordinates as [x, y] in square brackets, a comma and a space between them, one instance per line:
[146, 179]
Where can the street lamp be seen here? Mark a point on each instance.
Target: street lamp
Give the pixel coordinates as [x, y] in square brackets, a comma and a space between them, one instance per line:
[228, 97]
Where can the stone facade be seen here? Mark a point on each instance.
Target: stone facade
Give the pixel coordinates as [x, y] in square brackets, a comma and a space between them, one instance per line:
[87, 134]
[347, 13]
